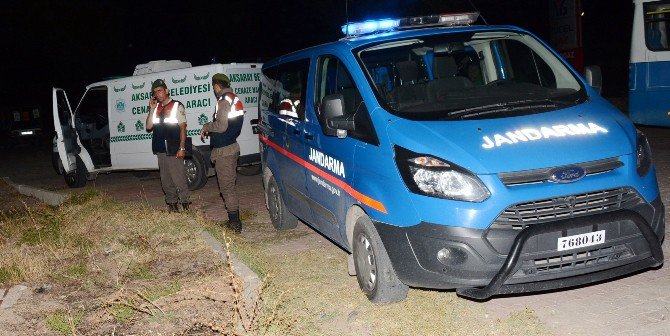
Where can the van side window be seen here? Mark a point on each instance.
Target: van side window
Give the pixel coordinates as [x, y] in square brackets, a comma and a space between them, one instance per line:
[333, 78]
[285, 87]
[657, 25]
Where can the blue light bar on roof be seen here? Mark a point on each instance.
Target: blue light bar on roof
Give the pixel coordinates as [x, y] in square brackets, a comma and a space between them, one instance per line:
[367, 27]
[378, 26]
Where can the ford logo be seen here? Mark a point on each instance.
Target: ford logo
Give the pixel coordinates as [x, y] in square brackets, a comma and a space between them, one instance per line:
[567, 174]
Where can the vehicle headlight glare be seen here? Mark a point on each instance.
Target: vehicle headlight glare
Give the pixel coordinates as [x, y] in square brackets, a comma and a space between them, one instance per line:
[434, 177]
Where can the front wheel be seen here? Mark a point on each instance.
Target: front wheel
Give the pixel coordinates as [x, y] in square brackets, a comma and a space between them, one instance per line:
[196, 171]
[374, 272]
[281, 218]
[77, 177]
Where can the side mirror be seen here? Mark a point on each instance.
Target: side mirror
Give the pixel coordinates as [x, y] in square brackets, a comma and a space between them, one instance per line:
[594, 77]
[336, 123]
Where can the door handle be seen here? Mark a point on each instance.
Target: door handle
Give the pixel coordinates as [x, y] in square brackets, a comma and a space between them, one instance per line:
[309, 136]
[296, 132]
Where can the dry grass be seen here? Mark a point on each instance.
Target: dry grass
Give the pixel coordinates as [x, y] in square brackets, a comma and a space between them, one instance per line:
[309, 286]
[125, 267]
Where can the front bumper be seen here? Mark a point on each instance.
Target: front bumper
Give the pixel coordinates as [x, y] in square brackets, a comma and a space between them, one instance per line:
[504, 261]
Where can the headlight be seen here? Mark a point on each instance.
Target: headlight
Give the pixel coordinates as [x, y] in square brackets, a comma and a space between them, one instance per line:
[430, 176]
[643, 153]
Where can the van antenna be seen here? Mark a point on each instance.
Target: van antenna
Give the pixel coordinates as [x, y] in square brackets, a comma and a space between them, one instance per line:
[346, 13]
[480, 13]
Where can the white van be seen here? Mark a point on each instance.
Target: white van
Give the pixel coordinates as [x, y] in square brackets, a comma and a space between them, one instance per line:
[107, 131]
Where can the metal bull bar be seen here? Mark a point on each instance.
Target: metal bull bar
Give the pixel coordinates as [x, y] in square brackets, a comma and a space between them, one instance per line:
[498, 286]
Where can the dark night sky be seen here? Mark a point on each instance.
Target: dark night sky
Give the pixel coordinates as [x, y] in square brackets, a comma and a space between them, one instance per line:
[70, 44]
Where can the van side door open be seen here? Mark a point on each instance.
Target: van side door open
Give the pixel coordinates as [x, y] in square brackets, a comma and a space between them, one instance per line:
[66, 136]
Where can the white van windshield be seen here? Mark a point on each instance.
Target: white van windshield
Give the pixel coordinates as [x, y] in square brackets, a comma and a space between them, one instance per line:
[468, 76]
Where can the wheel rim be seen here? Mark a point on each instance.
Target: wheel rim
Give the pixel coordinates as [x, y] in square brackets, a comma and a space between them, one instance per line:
[366, 262]
[274, 203]
[191, 171]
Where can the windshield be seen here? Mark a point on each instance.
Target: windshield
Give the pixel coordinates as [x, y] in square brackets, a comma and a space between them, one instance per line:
[468, 76]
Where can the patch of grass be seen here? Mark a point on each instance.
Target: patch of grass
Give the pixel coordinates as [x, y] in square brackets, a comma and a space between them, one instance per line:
[139, 272]
[122, 313]
[246, 214]
[42, 228]
[523, 322]
[9, 274]
[76, 270]
[156, 292]
[65, 324]
[82, 197]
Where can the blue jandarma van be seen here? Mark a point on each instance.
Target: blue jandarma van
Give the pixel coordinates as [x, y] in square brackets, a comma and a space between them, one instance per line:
[445, 155]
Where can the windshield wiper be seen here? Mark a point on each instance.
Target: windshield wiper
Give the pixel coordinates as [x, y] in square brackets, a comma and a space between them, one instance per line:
[510, 106]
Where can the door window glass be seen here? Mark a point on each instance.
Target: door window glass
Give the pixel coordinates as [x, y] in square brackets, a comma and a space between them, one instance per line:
[284, 89]
[657, 25]
[334, 78]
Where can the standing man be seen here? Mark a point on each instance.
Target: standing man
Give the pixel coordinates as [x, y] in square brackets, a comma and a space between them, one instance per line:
[223, 131]
[167, 120]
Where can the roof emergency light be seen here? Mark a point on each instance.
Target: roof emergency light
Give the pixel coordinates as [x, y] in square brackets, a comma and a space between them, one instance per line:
[377, 26]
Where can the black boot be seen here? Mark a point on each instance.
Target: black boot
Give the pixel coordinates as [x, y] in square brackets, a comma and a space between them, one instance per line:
[184, 206]
[234, 222]
[172, 207]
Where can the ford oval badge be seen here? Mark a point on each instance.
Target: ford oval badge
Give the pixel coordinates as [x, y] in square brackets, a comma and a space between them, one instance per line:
[567, 174]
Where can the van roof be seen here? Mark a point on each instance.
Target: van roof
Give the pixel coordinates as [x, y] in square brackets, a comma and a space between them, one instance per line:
[349, 43]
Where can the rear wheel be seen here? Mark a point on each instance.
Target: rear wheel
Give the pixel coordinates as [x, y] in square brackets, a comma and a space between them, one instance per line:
[77, 177]
[196, 171]
[281, 218]
[374, 271]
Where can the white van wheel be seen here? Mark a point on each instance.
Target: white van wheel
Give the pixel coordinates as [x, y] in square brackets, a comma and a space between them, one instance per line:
[281, 218]
[374, 272]
[196, 171]
[77, 177]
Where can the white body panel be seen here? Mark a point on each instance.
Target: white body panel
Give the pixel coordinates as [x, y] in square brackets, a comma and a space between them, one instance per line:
[128, 107]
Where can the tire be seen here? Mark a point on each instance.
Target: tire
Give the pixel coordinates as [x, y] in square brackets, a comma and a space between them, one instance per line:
[281, 218]
[196, 171]
[374, 272]
[250, 170]
[77, 177]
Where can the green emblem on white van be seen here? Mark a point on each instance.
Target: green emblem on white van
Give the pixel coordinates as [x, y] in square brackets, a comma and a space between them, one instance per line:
[121, 127]
[137, 87]
[202, 119]
[139, 125]
[203, 77]
[177, 81]
[120, 105]
[119, 89]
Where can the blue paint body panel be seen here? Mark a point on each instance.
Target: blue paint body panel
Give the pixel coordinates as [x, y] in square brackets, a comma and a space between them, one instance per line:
[649, 93]
[331, 175]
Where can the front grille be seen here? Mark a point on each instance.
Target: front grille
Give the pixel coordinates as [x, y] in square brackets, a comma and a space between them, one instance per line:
[544, 174]
[573, 261]
[519, 216]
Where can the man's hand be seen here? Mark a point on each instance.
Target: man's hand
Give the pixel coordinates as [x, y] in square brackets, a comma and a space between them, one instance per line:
[203, 134]
[181, 154]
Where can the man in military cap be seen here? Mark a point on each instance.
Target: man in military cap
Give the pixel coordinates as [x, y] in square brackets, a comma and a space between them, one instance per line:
[167, 120]
[223, 131]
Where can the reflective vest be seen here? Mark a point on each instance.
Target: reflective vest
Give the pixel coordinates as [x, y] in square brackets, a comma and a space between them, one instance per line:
[235, 121]
[166, 126]
[289, 107]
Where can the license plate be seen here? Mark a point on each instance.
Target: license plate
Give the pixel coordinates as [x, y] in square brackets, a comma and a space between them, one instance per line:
[581, 240]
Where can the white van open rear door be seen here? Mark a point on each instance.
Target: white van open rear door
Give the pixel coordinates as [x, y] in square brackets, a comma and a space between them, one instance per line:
[74, 169]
